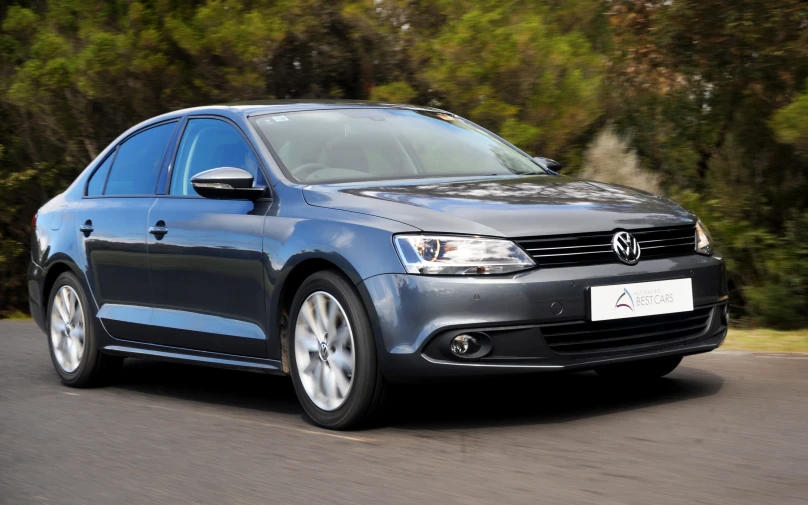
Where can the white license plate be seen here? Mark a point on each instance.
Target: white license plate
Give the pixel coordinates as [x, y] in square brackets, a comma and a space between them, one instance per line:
[640, 299]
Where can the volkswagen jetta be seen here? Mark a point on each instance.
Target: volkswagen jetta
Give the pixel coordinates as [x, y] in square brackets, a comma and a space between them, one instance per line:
[354, 244]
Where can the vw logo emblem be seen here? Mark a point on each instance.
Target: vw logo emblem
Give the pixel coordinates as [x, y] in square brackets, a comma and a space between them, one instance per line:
[323, 351]
[626, 247]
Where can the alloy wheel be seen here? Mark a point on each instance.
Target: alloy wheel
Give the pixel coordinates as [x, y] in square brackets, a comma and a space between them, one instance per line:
[67, 329]
[324, 351]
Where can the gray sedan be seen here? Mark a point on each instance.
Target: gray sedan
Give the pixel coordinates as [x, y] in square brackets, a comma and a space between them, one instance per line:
[351, 245]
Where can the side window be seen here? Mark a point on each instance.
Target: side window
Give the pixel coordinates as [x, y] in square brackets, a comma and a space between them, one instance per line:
[96, 185]
[211, 143]
[137, 164]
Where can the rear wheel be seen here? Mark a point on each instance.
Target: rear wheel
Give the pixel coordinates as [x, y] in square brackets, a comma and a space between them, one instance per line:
[71, 339]
[646, 369]
[333, 354]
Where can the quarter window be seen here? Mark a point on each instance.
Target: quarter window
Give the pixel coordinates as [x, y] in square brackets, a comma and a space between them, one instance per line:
[138, 162]
[211, 143]
[96, 185]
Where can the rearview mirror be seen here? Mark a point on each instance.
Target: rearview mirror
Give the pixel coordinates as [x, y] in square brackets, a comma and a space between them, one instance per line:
[548, 164]
[226, 183]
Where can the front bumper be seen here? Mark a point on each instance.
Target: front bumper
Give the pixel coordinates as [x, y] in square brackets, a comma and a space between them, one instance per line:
[415, 316]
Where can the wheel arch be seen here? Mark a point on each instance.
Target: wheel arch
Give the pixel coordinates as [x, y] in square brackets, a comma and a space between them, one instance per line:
[56, 267]
[287, 285]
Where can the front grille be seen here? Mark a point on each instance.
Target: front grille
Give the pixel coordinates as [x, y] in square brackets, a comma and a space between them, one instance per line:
[593, 248]
[625, 334]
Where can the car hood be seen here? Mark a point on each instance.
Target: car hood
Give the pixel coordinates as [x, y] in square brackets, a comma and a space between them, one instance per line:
[510, 206]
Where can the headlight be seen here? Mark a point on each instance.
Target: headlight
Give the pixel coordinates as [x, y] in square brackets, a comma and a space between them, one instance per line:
[704, 242]
[448, 255]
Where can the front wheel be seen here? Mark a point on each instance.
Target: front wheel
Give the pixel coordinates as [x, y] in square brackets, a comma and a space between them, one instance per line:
[646, 369]
[333, 353]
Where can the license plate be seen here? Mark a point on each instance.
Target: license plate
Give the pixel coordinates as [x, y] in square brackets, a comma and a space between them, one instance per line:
[640, 299]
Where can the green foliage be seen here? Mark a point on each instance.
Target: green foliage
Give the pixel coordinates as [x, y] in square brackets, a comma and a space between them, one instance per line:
[782, 296]
[20, 22]
[507, 64]
[791, 122]
[711, 91]
[768, 273]
[395, 92]
[712, 96]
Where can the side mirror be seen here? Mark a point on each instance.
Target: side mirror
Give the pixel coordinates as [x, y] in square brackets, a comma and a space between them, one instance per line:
[547, 163]
[226, 183]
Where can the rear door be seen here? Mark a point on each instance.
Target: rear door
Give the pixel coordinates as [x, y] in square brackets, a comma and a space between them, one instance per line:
[112, 227]
[206, 268]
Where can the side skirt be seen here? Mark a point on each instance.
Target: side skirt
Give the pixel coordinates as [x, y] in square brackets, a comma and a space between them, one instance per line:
[194, 357]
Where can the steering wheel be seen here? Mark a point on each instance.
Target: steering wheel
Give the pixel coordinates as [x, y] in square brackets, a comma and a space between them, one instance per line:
[305, 170]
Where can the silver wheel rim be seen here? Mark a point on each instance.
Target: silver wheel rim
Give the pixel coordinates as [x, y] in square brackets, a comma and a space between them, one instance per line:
[67, 329]
[324, 351]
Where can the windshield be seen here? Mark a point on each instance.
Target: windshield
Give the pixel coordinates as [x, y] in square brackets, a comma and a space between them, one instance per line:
[329, 146]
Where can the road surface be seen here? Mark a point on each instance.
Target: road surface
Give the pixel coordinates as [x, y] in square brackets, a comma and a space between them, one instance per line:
[728, 428]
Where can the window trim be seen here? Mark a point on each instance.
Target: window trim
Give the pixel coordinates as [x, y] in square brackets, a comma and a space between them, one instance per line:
[115, 153]
[176, 148]
[95, 169]
[162, 179]
[275, 155]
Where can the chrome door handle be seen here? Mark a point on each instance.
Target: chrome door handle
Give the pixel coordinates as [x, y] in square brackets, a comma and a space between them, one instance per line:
[159, 229]
[87, 228]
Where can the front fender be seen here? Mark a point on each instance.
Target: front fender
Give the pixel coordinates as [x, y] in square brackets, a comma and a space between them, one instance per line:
[359, 245]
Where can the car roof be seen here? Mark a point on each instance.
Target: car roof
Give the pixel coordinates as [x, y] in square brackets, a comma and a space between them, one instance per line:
[263, 106]
[274, 106]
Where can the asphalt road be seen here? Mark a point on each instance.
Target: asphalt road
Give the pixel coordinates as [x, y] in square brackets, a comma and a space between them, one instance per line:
[729, 428]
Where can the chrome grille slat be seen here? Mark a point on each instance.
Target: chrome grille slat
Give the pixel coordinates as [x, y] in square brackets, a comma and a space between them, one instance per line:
[691, 239]
[570, 254]
[689, 244]
[594, 248]
[563, 247]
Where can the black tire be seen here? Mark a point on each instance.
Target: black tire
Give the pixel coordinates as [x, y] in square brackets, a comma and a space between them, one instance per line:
[95, 368]
[364, 401]
[645, 369]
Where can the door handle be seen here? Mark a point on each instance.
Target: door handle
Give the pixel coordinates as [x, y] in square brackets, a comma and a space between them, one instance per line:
[158, 230]
[87, 228]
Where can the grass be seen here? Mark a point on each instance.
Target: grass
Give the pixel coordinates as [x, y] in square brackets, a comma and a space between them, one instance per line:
[764, 340]
[17, 315]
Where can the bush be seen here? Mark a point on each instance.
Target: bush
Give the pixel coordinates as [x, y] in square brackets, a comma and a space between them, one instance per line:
[768, 275]
[609, 158]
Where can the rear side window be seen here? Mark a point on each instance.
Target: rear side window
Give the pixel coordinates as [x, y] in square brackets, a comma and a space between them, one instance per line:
[96, 185]
[138, 162]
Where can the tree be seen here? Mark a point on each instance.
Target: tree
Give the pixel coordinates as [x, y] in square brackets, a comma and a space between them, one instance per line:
[713, 95]
[698, 82]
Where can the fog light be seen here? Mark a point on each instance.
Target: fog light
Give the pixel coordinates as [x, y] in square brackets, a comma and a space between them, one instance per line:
[464, 345]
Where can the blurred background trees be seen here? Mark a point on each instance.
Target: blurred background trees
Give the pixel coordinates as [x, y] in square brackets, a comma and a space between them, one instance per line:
[705, 100]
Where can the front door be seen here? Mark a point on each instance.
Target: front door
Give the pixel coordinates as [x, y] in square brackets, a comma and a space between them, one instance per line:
[205, 255]
[111, 225]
